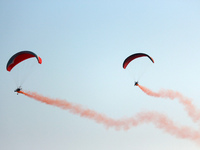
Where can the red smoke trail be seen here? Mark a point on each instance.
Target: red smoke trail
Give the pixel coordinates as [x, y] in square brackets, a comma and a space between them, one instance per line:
[192, 111]
[159, 120]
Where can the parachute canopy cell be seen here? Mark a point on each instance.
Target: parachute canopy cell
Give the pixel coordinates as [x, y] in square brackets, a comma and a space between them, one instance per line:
[19, 57]
[134, 56]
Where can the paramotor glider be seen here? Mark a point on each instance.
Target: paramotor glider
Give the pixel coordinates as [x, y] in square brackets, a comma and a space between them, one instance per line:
[20, 65]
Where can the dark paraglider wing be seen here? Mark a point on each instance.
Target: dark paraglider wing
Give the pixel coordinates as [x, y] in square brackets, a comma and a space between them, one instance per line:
[134, 56]
[19, 57]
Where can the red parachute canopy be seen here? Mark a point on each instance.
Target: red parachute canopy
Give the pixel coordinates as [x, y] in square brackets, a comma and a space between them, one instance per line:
[19, 57]
[134, 56]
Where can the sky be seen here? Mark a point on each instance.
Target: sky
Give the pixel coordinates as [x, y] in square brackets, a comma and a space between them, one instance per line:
[83, 45]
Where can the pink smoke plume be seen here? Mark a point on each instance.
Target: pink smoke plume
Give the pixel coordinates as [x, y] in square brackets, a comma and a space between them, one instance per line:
[192, 111]
[159, 120]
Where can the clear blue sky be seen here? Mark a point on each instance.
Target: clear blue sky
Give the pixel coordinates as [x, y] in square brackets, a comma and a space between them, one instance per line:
[83, 45]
